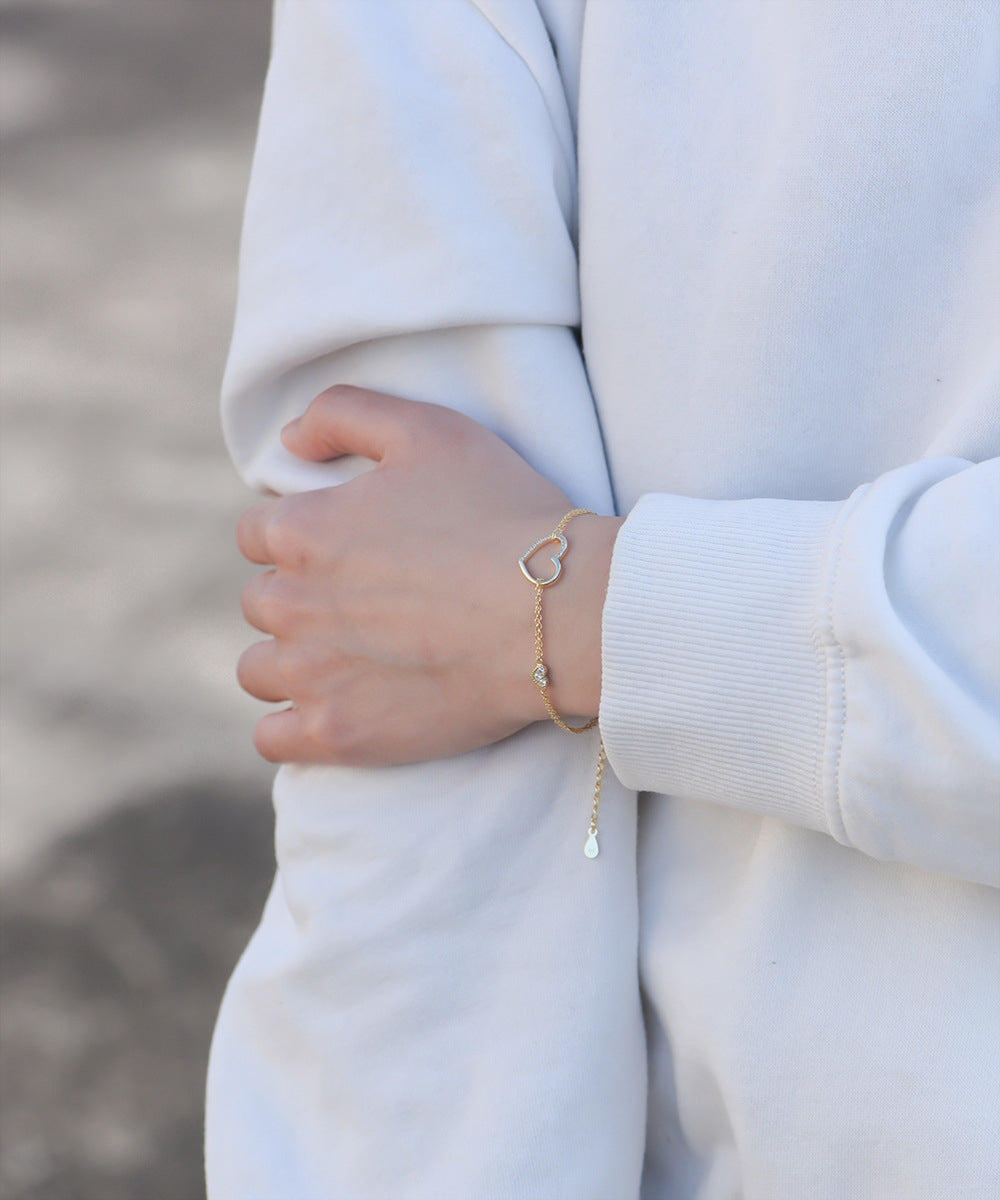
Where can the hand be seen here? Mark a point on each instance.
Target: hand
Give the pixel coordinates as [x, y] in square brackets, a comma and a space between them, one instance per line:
[401, 627]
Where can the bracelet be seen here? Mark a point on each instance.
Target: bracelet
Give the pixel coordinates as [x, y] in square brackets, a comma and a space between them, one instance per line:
[540, 673]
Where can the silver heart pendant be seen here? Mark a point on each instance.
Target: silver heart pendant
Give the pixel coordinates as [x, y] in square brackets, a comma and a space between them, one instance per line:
[556, 559]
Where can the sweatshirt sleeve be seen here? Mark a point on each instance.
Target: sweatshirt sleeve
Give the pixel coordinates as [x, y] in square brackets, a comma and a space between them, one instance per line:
[835, 665]
[410, 227]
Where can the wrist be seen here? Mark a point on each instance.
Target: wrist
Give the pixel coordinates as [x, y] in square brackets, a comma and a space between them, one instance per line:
[574, 608]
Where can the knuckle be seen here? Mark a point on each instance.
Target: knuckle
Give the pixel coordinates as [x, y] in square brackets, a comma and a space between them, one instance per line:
[445, 431]
[422, 422]
[329, 402]
[300, 669]
[327, 730]
[458, 441]
[261, 604]
[285, 535]
[339, 391]
[276, 604]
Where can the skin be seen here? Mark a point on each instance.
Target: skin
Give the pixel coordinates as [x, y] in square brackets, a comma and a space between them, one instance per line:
[400, 627]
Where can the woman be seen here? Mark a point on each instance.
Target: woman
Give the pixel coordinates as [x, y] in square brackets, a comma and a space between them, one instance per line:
[723, 273]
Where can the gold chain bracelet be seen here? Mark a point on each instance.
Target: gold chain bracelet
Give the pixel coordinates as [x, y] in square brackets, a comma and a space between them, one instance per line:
[540, 673]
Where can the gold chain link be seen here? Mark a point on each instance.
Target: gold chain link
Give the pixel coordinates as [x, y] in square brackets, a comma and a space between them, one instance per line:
[540, 672]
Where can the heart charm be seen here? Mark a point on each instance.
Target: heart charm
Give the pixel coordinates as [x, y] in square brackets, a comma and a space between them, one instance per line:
[522, 562]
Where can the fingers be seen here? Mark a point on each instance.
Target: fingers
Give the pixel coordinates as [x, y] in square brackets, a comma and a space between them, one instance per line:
[262, 608]
[251, 533]
[278, 737]
[300, 735]
[282, 531]
[351, 420]
[311, 734]
[258, 673]
[342, 420]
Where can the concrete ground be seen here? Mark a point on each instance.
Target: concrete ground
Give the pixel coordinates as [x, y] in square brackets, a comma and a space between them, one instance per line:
[135, 848]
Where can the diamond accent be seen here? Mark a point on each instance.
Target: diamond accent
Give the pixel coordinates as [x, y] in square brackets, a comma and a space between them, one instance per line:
[540, 675]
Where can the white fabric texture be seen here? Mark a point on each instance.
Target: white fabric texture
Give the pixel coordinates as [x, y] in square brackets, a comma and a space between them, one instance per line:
[728, 268]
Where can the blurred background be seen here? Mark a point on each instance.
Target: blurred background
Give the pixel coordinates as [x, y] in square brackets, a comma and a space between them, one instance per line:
[136, 840]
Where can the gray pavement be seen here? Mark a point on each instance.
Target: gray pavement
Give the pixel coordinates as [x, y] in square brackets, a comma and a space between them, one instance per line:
[135, 824]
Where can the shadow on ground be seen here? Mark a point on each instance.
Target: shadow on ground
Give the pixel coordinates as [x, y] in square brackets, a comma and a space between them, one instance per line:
[115, 954]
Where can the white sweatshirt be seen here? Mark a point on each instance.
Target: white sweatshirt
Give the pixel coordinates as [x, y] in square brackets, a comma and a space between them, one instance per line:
[773, 225]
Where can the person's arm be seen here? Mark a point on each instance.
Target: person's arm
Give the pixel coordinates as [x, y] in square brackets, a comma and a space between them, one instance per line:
[806, 660]
[439, 969]
[832, 664]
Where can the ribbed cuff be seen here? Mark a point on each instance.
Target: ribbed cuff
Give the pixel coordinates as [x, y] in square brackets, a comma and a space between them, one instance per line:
[714, 668]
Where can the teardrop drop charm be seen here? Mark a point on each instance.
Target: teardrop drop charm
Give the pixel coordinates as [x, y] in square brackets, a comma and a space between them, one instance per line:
[591, 849]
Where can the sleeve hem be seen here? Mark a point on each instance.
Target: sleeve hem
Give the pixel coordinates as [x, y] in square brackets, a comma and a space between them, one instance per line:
[717, 664]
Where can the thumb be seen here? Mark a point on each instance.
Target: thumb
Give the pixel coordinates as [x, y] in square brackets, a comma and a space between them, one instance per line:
[348, 420]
